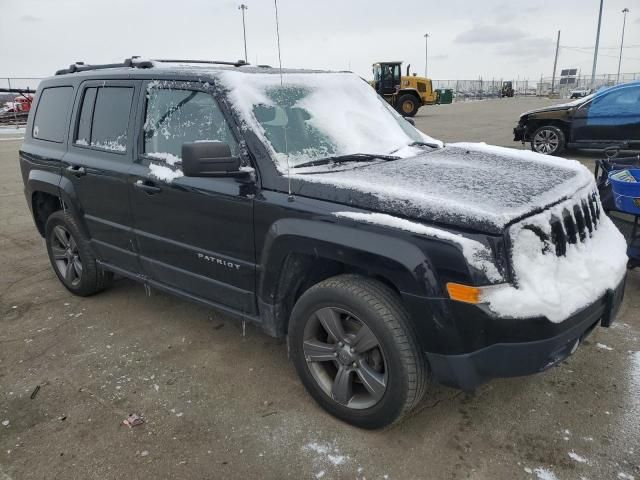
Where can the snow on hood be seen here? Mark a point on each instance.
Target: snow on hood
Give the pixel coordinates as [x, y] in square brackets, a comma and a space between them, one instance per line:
[466, 185]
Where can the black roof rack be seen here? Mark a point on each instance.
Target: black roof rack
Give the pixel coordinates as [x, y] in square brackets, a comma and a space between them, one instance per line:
[132, 62]
[239, 63]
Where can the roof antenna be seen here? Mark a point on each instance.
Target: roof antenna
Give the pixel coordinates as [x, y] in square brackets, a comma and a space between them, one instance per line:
[286, 147]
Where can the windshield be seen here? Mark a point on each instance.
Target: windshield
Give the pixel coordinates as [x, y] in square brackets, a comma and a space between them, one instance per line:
[316, 115]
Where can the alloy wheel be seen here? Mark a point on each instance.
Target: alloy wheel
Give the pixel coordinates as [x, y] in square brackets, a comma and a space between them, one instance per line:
[546, 141]
[345, 358]
[66, 257]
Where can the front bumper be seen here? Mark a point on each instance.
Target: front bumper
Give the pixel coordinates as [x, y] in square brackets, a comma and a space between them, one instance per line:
[467, 371]
[519, 133]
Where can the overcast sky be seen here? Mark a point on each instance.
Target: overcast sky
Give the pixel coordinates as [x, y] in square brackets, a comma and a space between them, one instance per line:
[469, 38]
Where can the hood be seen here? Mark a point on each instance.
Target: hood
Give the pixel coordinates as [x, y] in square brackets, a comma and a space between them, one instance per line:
[469, 186]
[559, 106]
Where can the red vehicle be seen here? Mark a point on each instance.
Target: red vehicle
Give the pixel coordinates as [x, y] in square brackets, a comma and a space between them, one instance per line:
[21, 103]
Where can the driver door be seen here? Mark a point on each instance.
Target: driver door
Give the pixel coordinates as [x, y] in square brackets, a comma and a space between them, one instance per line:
[195, 235]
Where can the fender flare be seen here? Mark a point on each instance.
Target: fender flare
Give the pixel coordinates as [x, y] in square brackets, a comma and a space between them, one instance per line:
[396, 259]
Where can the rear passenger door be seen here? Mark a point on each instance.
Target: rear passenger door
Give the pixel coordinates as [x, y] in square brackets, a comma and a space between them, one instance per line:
[195, 235]
[96, 167]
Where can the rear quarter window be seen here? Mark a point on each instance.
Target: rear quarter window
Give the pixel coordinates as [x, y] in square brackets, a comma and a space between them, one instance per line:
[50, 122]
[104, 118]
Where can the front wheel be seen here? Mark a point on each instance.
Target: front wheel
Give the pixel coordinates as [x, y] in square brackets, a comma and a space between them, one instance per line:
[355, 351]
[548, 140]
[408, 105]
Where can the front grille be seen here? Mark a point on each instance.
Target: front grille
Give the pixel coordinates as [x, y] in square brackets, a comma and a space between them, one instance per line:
[570, 225]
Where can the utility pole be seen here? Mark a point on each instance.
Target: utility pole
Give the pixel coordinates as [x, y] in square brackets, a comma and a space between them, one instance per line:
[426, 54]
[624, 21]
[243, 7]
[595, 52]
[555, 64]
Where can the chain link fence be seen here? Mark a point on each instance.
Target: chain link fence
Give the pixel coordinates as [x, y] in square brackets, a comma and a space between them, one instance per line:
[480, 89]
[563, 85]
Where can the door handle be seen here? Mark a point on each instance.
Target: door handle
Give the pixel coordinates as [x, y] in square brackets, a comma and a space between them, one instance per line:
[147, 186]
[76, 170]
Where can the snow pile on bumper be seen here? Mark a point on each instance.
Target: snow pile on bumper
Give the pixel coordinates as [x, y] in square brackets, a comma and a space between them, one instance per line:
[556, 280]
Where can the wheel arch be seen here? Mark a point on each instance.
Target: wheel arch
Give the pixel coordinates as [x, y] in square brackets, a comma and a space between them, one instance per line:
[304, 252]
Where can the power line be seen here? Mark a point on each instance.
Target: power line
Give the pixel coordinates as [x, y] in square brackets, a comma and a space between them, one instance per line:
[589, 52]
[602, 48]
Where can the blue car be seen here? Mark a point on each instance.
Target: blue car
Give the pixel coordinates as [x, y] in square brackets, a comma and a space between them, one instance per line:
[608, 117]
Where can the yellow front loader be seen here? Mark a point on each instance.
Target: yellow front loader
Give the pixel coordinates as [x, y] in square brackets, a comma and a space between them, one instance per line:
[406, 93]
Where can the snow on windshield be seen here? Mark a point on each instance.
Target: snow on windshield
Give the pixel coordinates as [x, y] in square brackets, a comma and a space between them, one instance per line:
[315, 115]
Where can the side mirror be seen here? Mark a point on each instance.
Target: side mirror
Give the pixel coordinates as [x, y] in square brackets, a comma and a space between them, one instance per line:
[410, 120]
[209, 159]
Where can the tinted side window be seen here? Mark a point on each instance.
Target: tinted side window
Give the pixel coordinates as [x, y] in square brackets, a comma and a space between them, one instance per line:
[84, 123]
[51, 114]
[625, 101]
[174, 117]
[111, 118]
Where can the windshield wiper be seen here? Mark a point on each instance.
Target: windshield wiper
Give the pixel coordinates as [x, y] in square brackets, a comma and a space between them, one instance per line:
[424, 144]
[352, 157]
[418, 144]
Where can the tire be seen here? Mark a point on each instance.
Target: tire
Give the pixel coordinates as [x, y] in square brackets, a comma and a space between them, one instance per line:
[386, 380]
[548, 140]
[71, 256]
[408, 105]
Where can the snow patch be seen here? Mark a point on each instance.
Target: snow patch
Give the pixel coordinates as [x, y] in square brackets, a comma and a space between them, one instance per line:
[545, 474]
[574, 456]
[169, 158]
[164, 173]
[602, 346]
[625, 476]
[327, 453]
[474, 252]
[553, 286]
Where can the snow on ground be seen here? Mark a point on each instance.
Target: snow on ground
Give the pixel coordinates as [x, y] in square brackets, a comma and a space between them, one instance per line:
[578, 458]
[545, 474]
[602, 346]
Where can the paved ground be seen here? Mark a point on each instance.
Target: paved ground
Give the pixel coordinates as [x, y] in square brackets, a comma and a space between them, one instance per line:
[220, 405]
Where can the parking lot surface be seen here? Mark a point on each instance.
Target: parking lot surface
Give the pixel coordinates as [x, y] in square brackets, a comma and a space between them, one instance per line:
[218, 404]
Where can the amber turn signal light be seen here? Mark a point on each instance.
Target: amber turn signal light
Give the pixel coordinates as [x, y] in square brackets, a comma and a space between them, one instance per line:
[464, 293]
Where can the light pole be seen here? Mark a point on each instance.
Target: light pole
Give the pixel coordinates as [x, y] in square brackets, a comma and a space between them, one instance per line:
[624, 22]
[243, 7]
[426, 53]
[595, 52]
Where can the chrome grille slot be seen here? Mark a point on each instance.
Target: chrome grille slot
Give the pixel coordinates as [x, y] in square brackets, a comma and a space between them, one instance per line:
[570, 223]
[570, 227]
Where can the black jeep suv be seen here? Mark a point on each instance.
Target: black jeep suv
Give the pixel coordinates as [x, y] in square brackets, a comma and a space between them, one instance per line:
[302, 202]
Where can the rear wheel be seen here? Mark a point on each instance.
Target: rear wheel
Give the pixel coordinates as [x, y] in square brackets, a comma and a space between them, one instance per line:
[354, 350]
[408, 105]
[72, 258]
[548, 140]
